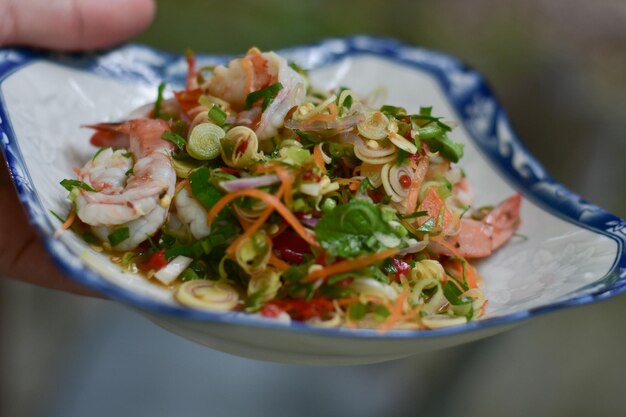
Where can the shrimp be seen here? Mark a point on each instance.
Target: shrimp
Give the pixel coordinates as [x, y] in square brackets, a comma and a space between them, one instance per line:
[138, 197]
[479, 238]
[192, 213]
[254, 72]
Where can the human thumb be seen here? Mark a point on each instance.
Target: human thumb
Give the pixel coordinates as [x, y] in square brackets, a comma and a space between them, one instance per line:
[72, 25]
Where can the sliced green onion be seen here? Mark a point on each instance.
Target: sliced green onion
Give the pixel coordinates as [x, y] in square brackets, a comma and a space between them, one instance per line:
[70, 184]
[118, 236]
[356, 311]
[217, 115]
[177, 140]
[204, 141]
[157, 104]
[184, 167]
[267, 94]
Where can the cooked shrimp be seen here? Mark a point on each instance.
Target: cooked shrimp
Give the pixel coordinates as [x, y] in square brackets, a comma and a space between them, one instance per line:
[254, 72]
[479, 238]
[139, 201]
[107, 170]
[192, 213]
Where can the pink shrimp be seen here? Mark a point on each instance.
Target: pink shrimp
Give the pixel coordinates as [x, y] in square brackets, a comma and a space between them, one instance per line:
[479, 238]
[138, 198]
[254, 72]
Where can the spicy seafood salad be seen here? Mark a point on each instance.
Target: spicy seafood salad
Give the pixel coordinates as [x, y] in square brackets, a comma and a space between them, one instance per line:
[250, 190]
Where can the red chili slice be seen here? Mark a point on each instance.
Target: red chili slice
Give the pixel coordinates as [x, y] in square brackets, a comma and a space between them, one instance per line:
[402, 268]
[156, 261]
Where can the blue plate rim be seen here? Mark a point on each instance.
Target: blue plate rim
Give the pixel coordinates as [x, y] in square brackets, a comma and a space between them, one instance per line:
[463, 87]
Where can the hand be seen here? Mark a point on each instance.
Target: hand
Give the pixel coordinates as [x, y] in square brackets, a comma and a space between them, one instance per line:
[60, 25]
[72, 24]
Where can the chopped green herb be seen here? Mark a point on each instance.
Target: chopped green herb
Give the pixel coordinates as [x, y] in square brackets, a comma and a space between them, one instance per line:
[448, 149]
[118, 236]
[347, 102]
[176, 139]
[356, 311]
[365, 185]
[415, 215]
[204, 191]
[348, 230]
[59, 218]
[427, 226]
[266, 94]
[159, 101]
[70, 184]
[392, 111]
[381, 311]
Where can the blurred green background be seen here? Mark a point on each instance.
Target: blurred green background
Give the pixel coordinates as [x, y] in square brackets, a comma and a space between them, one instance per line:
[558, 67]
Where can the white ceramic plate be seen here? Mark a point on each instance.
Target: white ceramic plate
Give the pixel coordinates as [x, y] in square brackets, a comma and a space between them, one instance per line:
[574, 253]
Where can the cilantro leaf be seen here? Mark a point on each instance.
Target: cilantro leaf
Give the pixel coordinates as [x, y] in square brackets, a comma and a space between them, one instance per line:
[350, 230]
[202, 189]
[444, 145]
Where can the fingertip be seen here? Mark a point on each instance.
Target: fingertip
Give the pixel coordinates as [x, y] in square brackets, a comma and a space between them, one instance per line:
[74, 25]
[110, 22]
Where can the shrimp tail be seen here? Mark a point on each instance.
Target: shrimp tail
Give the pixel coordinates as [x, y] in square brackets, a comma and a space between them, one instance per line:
[114, 135]
[479, 238]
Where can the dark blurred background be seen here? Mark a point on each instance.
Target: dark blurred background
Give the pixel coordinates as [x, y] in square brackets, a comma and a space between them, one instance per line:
[558, 67]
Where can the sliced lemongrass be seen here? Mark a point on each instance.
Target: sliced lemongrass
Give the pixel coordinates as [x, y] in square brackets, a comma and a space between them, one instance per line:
[375, 126]
[373, 174]
[239, 147]
[207, 295]
[266, 283]
[204, 141]
[389, 177]
[253, 253]
[369, 286]
[311, 188]
[320, 107]
[427, 269]
[184, 167]
[402, 143]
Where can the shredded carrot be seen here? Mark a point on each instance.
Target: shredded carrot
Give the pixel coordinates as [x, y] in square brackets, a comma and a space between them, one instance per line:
[278, 263]
[396, 311]
[66, 225]
[285, 175]
[470, 272]
[325, 117]
[416, 183]
[268, 199]
[319, 157]
[347, 181]
[349, 265]
[251, 228]
[287, 179]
